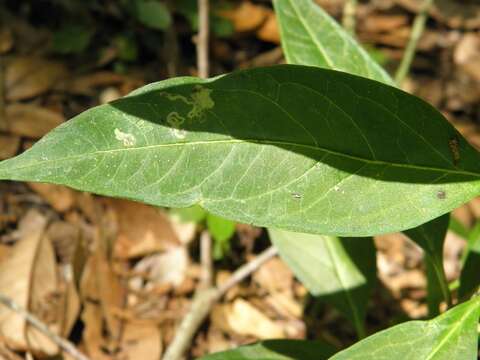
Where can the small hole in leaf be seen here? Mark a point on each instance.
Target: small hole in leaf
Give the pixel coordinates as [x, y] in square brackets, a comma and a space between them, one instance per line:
[441, 194]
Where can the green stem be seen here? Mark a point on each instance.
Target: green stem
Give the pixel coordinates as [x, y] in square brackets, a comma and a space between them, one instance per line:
[417, 31]
[441, 278]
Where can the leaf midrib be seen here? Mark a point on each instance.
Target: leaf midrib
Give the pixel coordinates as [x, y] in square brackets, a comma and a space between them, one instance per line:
[259, 142]
[453, 330]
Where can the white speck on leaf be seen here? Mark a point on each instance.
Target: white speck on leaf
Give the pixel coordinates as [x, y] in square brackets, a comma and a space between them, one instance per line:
[126, 138]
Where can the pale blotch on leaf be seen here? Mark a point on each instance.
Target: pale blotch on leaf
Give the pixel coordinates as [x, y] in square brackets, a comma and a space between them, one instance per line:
[126, 138]
[200, 101]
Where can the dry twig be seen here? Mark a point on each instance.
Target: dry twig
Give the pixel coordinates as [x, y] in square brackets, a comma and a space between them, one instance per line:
[203, 302]
[202, 39]
[417, 31]
[62, 343]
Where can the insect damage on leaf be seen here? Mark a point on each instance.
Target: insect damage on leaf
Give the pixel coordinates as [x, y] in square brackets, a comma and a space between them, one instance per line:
[453, 144]
[126, 138]
[441, 194]
[200, 101]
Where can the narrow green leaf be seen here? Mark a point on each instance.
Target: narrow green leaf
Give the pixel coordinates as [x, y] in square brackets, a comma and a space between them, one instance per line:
[311, 37]
[221, 230]
[431, 237]
[340, 271]
[451, 336]
[262, 146]
[469, 277]
[277, 350]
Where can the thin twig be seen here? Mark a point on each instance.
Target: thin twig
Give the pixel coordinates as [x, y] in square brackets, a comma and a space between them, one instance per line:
[349, 16]
[206, 260]
[202, 39]
[247, 269]
[417, 31]
[203, 302]
[62, 343]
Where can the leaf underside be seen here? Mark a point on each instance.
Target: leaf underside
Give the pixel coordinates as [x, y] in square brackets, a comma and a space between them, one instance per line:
[292, 147]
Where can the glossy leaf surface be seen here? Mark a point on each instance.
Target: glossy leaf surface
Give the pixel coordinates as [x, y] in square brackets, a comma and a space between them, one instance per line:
[290, 147]
[312, 37]
[339, 271]
[277, 350]
[450, 336]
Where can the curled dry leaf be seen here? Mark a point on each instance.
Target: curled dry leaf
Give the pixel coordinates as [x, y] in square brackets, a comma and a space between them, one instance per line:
[31, 121]
[28, 277]
[27, 77]
[141, 341]
[142, 230]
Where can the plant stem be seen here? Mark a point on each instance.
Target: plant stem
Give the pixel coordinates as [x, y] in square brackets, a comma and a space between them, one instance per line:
[62, 343]
[417, 31]
[202, 38]
[203, 302]
[442, 278]
[349, 14]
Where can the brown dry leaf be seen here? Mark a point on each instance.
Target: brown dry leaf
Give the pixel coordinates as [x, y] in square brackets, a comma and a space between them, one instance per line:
[142, 230]
[58, 197]
[140, 341]
[285, 305]
[168, 267]
[274, 276]
[269, 30]
[93, 332]
[64, 237]
[246, 16]
[27, 77]
[87, 84]
[244, 319]
[467, 55]
[31, 121]
[383, 23]
[29, 278]
[100, 284]
[9, 145]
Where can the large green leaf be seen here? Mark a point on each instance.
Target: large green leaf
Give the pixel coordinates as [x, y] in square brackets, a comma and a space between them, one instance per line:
[340, 271]
[451, 336]
[431, 237]
[292, 147]
[277, 350]
[311, 37]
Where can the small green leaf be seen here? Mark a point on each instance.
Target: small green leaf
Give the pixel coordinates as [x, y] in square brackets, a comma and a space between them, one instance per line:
[451, 336]
[277, 350]
[431, 237]
[153, 14]
[311, 37]
[261, 146]
[221, 230]
[340, 271]
[193, 213]
[71, 39]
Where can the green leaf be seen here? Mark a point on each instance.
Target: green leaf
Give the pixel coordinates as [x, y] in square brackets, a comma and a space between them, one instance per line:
[431, 237]
[450, 336]
[191, 214]
[469, 278]
[71, 39]
[340, 271]
[311, 37]
[262, 146]
[277, 350]
[152, 13]
[221, 230]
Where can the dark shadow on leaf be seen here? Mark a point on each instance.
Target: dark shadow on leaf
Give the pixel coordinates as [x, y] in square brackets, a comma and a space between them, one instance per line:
[342, 121]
